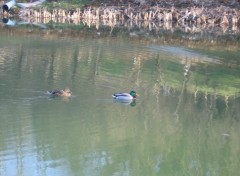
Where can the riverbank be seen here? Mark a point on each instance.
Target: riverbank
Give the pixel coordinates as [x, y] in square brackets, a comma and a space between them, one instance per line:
[198, 15]
[209, 24]
[199, 12]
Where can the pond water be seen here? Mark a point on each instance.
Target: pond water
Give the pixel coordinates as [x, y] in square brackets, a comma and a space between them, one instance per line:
[185, 120]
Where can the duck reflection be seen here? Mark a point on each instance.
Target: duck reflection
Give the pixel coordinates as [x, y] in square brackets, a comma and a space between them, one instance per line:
[12, 22]
[9, 22]
[126, 102]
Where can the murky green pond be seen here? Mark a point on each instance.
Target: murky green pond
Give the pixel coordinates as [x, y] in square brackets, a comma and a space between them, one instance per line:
[186, 120]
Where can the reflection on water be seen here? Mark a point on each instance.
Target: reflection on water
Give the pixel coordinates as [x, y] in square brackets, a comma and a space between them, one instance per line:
[185, 121]
[137, 26]
[183, 53]
[131, 103]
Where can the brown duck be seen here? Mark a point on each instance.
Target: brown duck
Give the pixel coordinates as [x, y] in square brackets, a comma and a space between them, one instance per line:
[60, 93]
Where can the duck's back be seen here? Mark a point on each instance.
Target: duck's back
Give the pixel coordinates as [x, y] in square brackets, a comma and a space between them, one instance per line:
[122, 96]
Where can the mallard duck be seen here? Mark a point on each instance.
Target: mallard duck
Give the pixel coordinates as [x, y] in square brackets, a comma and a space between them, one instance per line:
[125, 96]
[61, 93]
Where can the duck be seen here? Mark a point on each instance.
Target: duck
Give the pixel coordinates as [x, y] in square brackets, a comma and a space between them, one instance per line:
[60, 93]
[125, 96]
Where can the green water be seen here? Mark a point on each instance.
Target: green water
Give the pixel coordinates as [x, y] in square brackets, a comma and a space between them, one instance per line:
[179, 125]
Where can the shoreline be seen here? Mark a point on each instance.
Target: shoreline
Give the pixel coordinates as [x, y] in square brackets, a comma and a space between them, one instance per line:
[222, 15]
[189, 23]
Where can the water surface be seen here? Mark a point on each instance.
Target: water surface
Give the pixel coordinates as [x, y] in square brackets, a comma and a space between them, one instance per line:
[184, 122]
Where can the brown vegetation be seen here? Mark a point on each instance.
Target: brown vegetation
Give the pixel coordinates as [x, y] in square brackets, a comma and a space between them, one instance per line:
[195, 11]
[199, 15]
[189, 15]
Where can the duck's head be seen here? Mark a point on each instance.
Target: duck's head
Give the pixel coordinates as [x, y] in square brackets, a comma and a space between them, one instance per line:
[133, 94]
[67, 92]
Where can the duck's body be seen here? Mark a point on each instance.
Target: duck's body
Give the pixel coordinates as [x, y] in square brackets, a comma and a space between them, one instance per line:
[60, 93]
[125, 96]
